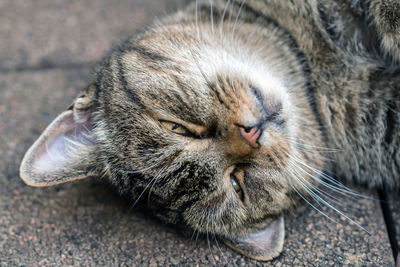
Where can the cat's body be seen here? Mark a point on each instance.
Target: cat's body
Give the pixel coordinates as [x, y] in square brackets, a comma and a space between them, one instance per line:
[352, 87]
[228, 113]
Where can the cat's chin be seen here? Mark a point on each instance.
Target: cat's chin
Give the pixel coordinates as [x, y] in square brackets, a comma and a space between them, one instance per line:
[263, 245]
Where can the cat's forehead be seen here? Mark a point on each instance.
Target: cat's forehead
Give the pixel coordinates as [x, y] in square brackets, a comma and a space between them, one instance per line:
[176, 72]
[184, 60]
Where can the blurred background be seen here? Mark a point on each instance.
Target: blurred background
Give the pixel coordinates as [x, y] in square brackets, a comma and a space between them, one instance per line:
[48, 49]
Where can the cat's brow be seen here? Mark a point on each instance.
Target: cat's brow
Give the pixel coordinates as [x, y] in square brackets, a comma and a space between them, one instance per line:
[145, 53]
[182, 86]
[124, 84]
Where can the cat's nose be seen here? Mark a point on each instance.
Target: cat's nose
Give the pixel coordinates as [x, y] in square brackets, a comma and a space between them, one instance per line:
[251, 135]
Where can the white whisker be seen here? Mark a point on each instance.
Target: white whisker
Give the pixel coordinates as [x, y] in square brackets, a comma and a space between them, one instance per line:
[336, 185]
[237, 19]
[216, 241]
[222, 21]
[316, 148]
[321, 192]
[304, 198]
[197, 20]
[199, 222]
[208, 238]
[151, 183]
[212, 16]
[231, 11]
[319, 200]
[141, 194]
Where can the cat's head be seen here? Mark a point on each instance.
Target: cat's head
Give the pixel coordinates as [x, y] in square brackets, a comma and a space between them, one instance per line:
[208, 129]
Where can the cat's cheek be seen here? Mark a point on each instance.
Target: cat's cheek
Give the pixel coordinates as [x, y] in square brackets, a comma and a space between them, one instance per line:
[198, 145]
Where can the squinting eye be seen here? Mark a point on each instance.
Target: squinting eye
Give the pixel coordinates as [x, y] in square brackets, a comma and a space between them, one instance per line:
[175, 128]
[236, 187]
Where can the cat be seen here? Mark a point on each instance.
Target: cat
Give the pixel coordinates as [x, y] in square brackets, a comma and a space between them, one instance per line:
[224, 116]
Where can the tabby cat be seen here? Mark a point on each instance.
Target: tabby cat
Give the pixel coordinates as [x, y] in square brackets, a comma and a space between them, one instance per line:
[222, 116]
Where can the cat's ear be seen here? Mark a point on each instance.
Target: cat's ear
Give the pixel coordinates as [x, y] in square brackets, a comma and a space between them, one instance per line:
[262, 245]
[64, 151]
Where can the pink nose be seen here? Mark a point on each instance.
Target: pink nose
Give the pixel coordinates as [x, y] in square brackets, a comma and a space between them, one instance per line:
[250, 135]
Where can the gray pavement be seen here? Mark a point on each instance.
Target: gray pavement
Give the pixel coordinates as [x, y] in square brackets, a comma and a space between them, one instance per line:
[395, 208]
[47, 51]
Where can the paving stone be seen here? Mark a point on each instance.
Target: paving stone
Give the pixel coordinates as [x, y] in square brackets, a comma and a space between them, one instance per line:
[395, 208]
[58, 32]
[318, 241]
[85, 223]
[395, 205]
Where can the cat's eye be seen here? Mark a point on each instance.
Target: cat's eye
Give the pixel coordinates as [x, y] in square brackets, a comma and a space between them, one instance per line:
[175, 128]
[236, 186]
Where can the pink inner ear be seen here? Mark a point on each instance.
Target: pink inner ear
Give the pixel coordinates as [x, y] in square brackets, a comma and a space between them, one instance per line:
[63, 141]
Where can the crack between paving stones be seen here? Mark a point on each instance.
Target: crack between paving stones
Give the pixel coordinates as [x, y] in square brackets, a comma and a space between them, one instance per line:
[390, 225]
[48, 66]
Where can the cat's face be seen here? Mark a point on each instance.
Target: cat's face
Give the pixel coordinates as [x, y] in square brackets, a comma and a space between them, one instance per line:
[208, 131]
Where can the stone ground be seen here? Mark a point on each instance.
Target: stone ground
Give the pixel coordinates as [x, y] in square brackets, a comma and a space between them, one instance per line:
[47, 51]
